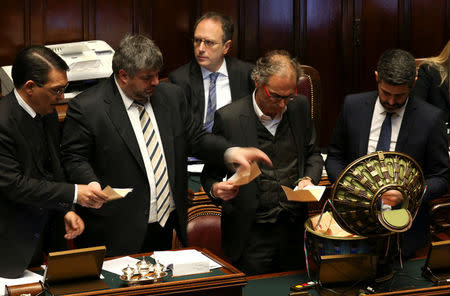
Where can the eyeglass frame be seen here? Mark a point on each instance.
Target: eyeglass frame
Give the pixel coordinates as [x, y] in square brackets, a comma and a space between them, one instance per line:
[278, 97]
[58, 92]
[206, 42]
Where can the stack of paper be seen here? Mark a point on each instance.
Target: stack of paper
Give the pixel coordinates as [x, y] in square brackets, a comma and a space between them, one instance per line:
[184, 262]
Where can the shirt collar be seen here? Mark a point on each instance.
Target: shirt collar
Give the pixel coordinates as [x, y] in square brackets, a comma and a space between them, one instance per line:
[24, 105]
[222, 70]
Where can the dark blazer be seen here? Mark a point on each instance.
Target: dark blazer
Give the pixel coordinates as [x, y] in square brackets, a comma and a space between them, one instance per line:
[422, 136]
[189, 78]
[237, 123]
[27, 197]
[429, 88]
[99, 144]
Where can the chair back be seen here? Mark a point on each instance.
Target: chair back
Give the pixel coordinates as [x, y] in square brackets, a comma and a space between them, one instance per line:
[309, 86]
[204, 228]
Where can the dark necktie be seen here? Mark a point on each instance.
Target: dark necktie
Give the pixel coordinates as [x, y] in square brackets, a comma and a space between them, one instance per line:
[212, 102]
[384, 141]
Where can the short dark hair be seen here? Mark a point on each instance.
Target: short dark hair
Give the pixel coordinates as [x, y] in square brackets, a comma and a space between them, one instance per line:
[275, 62]
[397, 67]
[136, 53]
[34, 63]
[227, 24]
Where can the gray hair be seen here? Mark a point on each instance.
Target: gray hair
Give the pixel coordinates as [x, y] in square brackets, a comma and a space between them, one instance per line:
[397, 67]
[275, 62]
[136, 53]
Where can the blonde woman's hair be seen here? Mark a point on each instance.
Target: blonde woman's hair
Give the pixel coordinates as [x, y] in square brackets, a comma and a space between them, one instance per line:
[441, 62]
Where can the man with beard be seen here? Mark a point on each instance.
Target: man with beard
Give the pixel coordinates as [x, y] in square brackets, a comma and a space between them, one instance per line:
[394, 120]
[132, 132]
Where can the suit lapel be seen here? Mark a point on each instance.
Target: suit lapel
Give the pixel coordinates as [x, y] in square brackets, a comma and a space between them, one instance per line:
[365, 122]
[408, 116]
[119, 117]
[248, 125]
[197, 88]
[233, 78]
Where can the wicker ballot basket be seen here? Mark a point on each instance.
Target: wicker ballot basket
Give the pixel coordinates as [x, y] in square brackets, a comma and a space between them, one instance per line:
[357, 192]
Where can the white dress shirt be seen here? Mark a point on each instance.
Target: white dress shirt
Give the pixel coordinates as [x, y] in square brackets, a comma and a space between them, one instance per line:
[223, 91]
[133, 115]
[379, 114]
[33, 114]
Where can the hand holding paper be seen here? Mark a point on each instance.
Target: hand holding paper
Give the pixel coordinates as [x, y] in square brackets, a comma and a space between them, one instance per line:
[244, 176]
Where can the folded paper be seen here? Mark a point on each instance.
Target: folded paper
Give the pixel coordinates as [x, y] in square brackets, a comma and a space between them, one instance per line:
[116, 193]
[307, 194]
[242, 177]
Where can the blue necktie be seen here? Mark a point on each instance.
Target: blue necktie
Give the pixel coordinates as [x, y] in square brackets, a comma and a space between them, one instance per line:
[209, 121]
[384, 141]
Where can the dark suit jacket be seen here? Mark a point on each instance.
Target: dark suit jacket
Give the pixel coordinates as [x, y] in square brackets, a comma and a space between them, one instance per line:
[189, 78]
[422, 135]
[237, 123]
[429, 88]
[99, 144]
[27, 198]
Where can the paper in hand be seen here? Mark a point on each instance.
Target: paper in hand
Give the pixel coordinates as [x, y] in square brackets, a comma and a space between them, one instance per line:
[242, 177]
[116, 193]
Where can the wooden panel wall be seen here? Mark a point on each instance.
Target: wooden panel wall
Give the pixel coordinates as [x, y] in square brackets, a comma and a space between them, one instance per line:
[340, 38]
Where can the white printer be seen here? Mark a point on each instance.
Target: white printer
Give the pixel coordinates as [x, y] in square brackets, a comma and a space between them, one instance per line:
[88, 61]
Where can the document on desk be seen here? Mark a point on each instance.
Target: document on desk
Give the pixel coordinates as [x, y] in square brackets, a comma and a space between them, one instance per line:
[116, 193]
[116, 265]
[184, 262]
[28, 277]
[309, 193]
[242, 177]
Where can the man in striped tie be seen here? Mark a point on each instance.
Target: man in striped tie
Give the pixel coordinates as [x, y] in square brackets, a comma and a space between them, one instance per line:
[130, 131]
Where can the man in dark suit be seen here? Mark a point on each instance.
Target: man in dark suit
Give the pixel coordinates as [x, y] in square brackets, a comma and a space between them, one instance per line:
[32, 184]
[262, 231]
[212, 41]
[416, 128]
[130, 131]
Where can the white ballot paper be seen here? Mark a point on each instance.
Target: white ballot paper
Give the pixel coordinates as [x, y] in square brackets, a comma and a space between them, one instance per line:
[184, 262]
[28, 277]
[116, 193]
[242, 177]
[309, 193]
[116, 265]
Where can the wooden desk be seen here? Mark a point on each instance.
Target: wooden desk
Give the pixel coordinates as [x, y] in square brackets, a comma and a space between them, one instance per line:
[226, 281]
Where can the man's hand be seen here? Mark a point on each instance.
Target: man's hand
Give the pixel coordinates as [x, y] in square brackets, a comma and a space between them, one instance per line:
[392, 198]
[225, 190]
[238, 156]
[74, 225]
[304, 182]
[91, 195]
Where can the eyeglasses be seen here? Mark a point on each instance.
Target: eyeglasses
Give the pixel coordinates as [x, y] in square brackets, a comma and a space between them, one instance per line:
[55, 90]
[278, 97]
[208, 43]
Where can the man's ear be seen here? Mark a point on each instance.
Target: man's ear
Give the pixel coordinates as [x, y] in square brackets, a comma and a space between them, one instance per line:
[376, 76]
[227, 47]
[28, 87]
[123, 76]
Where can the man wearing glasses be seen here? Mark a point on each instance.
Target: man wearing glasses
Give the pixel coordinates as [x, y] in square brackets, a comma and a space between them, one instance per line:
[212, 80]
[32, 189]
[262, 231]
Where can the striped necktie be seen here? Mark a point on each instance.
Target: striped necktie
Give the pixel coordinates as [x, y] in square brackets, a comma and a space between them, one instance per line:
[158, 164]
[212, 102]
[384, 141]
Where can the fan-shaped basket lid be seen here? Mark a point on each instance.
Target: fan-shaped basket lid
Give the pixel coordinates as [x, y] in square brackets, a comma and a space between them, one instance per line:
[357, 193]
